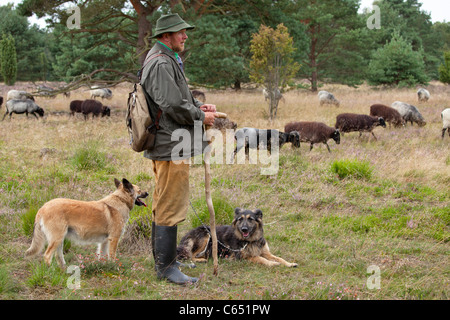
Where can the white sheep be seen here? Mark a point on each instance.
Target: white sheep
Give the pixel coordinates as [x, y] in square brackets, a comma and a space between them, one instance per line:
[326, 97]
[103, 93]
[23, 106]
[18, 95]
[445, 115]
[423, 94]
[409, 113]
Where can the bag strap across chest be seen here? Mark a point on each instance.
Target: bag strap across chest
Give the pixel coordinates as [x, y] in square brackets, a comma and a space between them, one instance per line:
[146, 62]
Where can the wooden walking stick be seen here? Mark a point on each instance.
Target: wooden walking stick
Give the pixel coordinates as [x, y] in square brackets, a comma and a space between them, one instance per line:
[209, 203]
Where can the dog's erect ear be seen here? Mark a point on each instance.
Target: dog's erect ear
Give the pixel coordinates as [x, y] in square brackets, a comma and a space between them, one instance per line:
[127, 185]
[237, 211]
[258, 214]
[117, 182]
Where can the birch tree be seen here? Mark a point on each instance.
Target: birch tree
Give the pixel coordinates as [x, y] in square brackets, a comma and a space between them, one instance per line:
[272, 62]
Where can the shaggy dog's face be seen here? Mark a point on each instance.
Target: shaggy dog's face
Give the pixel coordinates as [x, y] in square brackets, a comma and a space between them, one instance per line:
[247, 223]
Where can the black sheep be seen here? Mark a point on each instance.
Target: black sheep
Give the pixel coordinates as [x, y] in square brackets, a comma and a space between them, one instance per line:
[348, 122]
[314, 132]
[390, 115]
[95, 107]
[75, 106]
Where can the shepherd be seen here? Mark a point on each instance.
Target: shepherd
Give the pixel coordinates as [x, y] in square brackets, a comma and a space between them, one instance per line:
[171, 102]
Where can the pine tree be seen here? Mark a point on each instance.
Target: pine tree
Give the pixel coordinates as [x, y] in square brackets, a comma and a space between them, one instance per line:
[8, 59]
[335, 40]
[396, 63]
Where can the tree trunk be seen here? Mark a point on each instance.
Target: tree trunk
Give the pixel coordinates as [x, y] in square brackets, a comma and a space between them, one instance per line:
[314, 79]
[144, 31]
[313, 63]
[144, 28]
[237, 85]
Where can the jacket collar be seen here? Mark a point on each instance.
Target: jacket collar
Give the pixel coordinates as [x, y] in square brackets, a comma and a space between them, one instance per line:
[161, 48]
[167, 47]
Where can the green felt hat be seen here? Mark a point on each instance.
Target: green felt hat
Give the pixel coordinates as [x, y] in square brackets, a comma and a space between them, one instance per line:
[170, 23]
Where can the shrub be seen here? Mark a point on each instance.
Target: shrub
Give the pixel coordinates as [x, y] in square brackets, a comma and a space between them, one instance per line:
[89, 157]
[224, 211]
[28, 220]
[444, 69]
[93, 264]
[5, 280]
[137, 236]
[43, 275]
[352, 168]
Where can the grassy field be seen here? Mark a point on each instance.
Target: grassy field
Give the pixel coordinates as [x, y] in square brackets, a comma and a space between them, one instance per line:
[383, 203]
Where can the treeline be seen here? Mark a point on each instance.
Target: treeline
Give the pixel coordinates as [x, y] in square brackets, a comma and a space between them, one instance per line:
[333, 42]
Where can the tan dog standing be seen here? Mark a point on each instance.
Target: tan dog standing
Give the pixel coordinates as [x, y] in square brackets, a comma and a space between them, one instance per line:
[86, 222]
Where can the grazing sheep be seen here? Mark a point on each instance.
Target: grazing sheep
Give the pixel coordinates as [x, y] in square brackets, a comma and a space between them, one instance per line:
[95, 107]
[326, 97]
[252, 138]
[348, 122]
[445, 115]
[224, 123]
[314, 132]
[103, 93]
[23, 106]
[423, 94]
[75, 107]
[390, 115]
[276, 94]
[18, 95]
[409, 113]
[199, 95]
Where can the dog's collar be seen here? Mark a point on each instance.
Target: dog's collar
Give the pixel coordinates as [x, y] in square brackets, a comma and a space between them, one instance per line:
[234, 250]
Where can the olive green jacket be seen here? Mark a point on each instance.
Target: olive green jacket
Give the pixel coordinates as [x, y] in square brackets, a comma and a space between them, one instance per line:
[166, 88]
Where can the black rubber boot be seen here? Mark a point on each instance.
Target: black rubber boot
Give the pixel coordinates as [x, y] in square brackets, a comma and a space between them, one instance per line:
[153, 242]
[165, 254]
[178, 264]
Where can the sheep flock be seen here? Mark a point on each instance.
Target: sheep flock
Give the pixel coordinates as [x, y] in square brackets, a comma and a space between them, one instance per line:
[398, 114]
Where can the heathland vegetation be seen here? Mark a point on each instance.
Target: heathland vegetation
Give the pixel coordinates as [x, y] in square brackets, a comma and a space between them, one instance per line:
[367, 205]
[381, 203]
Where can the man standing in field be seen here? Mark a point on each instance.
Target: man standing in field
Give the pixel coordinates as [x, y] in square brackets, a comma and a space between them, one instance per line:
[170, 100]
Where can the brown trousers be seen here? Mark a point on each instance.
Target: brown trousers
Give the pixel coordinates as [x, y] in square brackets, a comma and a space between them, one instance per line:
[171, 194]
